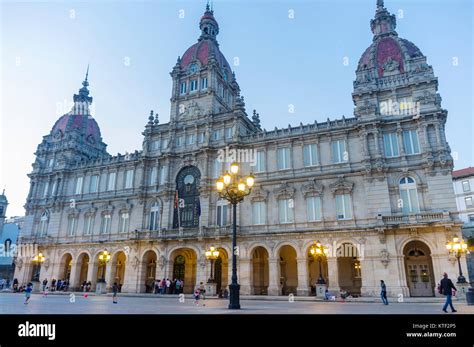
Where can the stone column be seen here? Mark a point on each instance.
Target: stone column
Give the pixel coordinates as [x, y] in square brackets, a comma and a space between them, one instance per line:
[92, 273]
[333, 285]
[401, 146]
[274, 276]
[245, 275]
[109, 273]
[303, 285]
[73, 278]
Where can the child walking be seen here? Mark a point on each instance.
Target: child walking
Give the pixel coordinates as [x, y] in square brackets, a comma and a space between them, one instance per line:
[28, 290]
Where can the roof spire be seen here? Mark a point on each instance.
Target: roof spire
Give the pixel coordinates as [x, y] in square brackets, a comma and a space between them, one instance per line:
[208, 25]
[384, 22]
[82, 100]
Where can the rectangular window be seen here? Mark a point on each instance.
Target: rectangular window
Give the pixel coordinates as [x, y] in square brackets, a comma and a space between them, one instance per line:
[283, 158]
[153, 175]
[216, 169]
[105, 225]
[78, 189]
[471, 218]
[410, 142]
[465, 186]
[201, 137]
[228, 133]
[111, 181]
[94, 184]
[50, 162]
[216, 135]
[163, 173]
[260, 165]
[390, 141]
[124, 222]
[45, 189]
[204, 83]
[468, 201]
[258, 213]
[343, 206]
[310, 154]
[164, 143]
[53, 189]
[189, 139]
[88, 223]
[128, 179]
[409, 198]
[154, 145]
[193, 85]
[339, 151]
[313, 205]
[182, 89]
[286, 210]
[71, 226]
[179, 141]
[221, 215]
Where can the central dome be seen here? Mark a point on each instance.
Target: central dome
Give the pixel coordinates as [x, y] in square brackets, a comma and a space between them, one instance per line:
[202, 51]
[207, 45]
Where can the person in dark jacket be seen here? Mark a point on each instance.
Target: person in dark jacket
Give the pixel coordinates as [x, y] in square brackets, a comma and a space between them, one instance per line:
[383, 292]
[115, 289]
[446, 288]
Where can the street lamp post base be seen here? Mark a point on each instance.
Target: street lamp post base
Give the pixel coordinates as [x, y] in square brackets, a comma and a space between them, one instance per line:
[234, 297]
[461, 279]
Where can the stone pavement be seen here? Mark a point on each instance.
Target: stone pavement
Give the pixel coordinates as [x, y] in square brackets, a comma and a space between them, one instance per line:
[148, 304]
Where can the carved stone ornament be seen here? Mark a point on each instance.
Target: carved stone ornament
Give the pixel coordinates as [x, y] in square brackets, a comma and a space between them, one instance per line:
[202, 260]
[341, 185]
[285, 191]
[312, 188]
[259, 194]
[384, 257]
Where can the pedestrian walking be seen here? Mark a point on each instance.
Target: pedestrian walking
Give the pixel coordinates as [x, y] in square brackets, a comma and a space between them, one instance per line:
[383, 292]
[202, 292]
[115, 289]
[197, 296]
[28, 290]
[168, 285]
[45, 283]
[446, 288]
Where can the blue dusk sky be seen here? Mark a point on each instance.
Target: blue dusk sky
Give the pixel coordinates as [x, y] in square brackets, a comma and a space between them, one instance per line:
[300, 53]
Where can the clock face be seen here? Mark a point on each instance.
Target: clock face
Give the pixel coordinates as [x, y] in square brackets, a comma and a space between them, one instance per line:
[188, 179]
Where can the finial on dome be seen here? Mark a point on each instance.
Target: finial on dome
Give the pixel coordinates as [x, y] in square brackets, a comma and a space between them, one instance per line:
[384, 22]
[208, 24]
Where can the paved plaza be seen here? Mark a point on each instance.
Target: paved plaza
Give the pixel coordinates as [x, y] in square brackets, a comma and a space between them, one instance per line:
[61, 304]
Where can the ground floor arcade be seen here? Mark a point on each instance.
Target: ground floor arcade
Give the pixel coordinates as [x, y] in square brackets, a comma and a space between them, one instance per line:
[410, 262]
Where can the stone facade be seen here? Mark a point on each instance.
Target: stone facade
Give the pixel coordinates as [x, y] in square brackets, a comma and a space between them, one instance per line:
[379, 181]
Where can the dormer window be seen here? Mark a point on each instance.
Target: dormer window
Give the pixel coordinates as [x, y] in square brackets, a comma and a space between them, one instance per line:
[182, 88]
[193, 68]
[193, 85]
[224, 74]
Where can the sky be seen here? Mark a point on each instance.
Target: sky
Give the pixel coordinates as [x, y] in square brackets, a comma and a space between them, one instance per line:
[299, 53]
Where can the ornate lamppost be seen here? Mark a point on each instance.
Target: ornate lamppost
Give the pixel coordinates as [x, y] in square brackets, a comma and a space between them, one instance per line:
[104, 258]
[319, 251]
[37, 260]
[212, 254]
[233, 188]
[457, 247]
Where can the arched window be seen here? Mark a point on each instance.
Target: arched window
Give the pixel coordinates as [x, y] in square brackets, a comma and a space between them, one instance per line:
[43, 224]
[409, 195]
[154, 216]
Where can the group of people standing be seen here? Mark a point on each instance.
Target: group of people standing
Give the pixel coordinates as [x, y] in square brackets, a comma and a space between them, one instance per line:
[165, 286]
[56, 285]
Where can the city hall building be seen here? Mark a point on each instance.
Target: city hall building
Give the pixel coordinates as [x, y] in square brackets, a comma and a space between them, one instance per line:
[375, 189]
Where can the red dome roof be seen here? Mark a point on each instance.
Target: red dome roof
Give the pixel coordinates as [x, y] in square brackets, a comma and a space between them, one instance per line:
[82, 123]
[386, 49]
[201, 51]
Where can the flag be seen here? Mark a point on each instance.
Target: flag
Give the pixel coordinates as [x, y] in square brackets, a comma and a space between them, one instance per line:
[198, 207]
[176, 200]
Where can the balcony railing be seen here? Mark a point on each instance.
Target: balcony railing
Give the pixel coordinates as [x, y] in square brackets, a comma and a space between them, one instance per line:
[414, 218]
